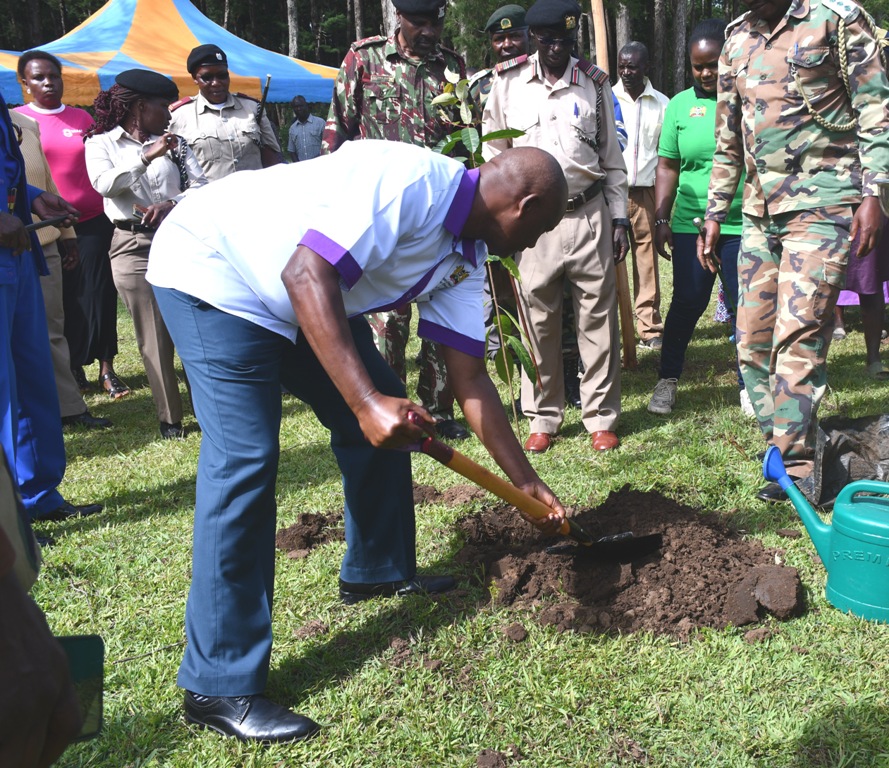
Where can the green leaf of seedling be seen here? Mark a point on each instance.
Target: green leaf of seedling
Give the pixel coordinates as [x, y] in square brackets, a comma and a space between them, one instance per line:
[470, 138]
[509, 263]
[452, 77]
[506, 133]
[505, 365]
[522, 355]
[445, 99]
[465, 112]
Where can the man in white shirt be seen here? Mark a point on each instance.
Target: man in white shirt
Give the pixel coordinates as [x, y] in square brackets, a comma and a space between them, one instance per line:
[643, 110]
[304, 137]
[252, 308]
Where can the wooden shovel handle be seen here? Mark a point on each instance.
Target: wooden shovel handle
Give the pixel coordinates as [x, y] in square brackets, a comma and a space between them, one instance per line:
[466, 467]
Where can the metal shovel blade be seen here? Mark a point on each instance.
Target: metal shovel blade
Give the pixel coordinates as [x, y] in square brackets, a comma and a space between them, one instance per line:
[619, 547]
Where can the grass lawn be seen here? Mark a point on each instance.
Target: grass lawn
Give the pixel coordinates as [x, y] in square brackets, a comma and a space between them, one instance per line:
[813, 694]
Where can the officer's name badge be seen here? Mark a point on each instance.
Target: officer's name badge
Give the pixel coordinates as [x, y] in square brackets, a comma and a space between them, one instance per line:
[505, 23]
[697, 112]
[570, 22]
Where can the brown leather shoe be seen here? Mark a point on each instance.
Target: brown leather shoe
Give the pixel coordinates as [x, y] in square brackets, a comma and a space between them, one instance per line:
[603, 440]
[538, 442]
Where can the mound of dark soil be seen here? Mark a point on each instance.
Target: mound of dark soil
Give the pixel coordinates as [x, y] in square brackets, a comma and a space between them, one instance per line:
[705, 575]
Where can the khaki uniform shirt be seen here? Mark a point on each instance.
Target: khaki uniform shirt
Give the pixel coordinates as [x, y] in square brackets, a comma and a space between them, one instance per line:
[763, 125]
[572, 119]
[223, 140]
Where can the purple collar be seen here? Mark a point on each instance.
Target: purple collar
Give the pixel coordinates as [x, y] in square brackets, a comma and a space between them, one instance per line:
[459, 211]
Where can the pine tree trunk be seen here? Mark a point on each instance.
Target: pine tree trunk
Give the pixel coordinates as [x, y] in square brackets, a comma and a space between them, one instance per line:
[292, 29]
[680, 20]
[359, 19]
[226, 15]
[623, 32]
[388, 18]
[657, 72]
[33, 22]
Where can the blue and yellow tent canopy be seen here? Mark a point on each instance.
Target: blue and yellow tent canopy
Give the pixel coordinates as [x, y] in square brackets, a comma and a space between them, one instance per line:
[158, 35]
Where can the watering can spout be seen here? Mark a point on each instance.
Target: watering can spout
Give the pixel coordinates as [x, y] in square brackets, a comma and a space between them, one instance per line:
[773, 469]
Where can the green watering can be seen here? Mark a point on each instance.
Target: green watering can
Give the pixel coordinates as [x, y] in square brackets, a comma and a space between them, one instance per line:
[855, 548]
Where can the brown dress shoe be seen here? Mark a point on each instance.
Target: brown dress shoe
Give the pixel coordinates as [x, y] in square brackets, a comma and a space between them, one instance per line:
[603, 440]
[538, 442]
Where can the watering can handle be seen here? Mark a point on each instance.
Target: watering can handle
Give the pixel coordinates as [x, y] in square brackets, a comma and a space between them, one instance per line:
[849, 493]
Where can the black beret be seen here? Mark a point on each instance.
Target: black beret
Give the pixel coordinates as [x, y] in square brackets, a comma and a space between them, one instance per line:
[506, 17]
[434, 8]
[203, 55]
[148, 83]
[564, 14]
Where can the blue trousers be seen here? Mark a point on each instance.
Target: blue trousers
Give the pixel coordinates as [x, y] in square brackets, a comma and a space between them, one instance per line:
[692, 287]
[236, 369]
[30, 421]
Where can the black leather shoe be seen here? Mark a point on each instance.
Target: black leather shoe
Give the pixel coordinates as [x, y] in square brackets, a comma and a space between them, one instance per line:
[86, 420]
[772, 492]
[248, 718]
[67, 511]
[451, 430]
[172, 431]
[352, 592]
[44, 541]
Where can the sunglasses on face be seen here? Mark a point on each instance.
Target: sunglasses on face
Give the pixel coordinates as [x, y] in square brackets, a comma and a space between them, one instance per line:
[552, 42]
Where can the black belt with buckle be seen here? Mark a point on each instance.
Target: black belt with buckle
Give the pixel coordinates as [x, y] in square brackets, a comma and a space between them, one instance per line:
[584, 197]
[133, 226]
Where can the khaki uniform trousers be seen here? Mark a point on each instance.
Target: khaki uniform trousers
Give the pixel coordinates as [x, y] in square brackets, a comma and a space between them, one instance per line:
[129, 262]
[577, 253]
[71, 402]
[646, 275]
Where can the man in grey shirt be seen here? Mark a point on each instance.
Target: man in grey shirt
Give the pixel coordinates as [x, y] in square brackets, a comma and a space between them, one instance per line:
[304, 140]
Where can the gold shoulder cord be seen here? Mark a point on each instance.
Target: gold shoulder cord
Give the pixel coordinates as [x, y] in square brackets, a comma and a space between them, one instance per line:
[880, 36]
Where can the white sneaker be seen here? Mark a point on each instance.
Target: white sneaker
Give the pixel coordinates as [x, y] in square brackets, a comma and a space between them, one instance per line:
[663, 398]
[746, 405]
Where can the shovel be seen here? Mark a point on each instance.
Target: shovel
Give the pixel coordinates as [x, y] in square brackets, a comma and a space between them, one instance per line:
[623, 546]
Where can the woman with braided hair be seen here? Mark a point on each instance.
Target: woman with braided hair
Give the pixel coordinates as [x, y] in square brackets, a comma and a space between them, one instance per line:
[142, 171]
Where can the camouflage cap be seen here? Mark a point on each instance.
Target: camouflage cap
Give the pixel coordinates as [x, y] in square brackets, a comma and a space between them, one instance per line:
[561, 14]
[506, 17]
[435, 8]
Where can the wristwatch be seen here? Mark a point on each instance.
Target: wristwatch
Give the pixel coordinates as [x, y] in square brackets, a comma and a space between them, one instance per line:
[620, 223]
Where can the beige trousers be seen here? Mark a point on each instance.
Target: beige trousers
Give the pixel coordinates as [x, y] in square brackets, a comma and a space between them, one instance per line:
[646, 276]
[129, 262]
[71, 402]
[578, 254]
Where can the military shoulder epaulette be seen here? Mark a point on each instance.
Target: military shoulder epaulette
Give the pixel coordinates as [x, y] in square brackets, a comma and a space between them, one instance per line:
[181, 103]
[245, 96]
[729, 28]
[517, 61]
[845, 9]
[368, 41]
[592, 71]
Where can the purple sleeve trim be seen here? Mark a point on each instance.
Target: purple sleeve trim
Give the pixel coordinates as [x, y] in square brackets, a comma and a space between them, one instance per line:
[333, 253]
[450, 338]
[461, 205]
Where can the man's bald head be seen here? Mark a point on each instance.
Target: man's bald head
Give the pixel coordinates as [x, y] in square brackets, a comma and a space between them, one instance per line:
[522, 194]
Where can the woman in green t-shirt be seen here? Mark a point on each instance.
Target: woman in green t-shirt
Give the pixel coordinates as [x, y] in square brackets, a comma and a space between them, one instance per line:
[685, 152]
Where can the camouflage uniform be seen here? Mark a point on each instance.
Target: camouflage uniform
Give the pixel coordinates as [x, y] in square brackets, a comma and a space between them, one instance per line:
[803, 183]
[382, 94]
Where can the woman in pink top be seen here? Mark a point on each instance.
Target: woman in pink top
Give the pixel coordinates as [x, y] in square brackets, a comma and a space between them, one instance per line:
[89, 295]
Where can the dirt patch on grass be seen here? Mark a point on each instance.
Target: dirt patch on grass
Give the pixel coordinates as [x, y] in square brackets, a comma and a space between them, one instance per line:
[705, 575]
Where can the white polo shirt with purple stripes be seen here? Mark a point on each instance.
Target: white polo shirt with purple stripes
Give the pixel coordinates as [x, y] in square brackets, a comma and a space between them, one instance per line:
[388, 216]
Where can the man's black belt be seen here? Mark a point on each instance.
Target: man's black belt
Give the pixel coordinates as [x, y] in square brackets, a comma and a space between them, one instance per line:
[133, 226]
[584, 197]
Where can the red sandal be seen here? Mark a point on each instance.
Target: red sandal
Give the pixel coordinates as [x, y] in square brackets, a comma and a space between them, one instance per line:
[115, 388]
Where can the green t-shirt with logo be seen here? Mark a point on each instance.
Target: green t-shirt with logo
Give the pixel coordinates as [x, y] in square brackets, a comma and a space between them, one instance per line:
[688, 135]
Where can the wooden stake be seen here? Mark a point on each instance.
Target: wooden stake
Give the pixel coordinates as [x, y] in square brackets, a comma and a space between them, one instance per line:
[624, 302]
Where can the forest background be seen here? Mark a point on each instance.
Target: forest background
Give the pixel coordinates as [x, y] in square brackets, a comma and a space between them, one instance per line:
[322, 30]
